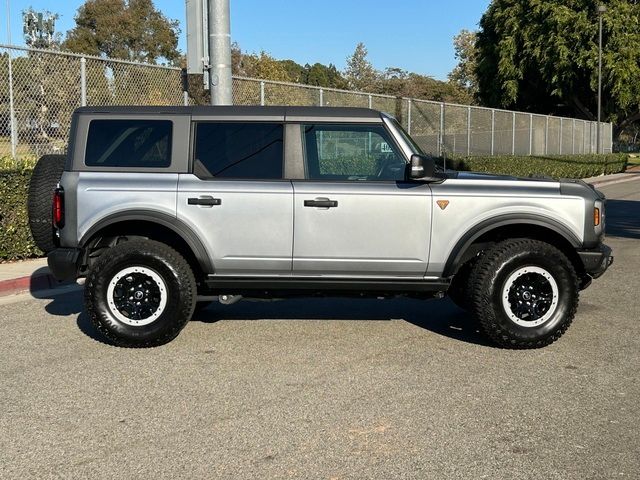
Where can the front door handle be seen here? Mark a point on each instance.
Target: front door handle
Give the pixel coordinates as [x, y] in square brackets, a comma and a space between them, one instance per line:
[321, 203]
[204, 200]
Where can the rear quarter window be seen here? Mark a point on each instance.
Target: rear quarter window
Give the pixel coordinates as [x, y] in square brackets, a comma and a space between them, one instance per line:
[129, 143]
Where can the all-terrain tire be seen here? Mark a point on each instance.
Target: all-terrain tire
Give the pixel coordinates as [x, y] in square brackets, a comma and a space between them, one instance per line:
[177, 283]
[492, 296]
[44, 179]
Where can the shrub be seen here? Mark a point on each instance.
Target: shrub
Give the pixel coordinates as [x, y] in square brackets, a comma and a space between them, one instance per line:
[15, 237]
[568, 166]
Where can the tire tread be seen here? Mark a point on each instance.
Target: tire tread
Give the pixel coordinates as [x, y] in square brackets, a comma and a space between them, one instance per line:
[481, 301]
[175, 259]
[46, 175]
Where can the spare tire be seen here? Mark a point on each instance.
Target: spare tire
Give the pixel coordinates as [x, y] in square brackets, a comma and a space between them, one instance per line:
[44, 179]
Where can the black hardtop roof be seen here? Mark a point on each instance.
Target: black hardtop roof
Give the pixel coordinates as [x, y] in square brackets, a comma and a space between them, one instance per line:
[241, 110]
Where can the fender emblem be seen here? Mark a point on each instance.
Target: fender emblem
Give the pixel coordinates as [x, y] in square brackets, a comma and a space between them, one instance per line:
[442, 204]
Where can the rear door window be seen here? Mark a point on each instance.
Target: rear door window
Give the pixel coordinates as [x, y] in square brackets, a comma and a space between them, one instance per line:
[239, 150]
[129, 143]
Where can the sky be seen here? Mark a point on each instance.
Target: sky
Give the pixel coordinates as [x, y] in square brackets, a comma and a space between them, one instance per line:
[415, 35]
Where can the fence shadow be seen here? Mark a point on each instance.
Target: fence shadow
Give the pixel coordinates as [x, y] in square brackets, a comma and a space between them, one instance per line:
[623, 218]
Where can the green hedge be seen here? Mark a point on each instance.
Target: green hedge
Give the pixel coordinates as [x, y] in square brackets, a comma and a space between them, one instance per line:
[569, 166]
[15, 238]
[16, 242]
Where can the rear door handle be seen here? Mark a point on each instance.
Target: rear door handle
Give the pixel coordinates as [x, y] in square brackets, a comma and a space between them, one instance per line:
[321, 203]
[205, 201]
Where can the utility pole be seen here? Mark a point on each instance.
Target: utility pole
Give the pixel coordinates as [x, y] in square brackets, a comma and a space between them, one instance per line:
[219, 52]
[601, 10]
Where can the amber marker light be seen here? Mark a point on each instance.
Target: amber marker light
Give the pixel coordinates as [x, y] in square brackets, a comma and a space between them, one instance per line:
[596, 216]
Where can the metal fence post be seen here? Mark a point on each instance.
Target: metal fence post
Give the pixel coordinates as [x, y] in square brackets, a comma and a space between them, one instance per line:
[493, 130]
[468, 131]
[584, 137]
[513, 134]
[321, 95]
[12, 113]
[560, 138]
[83, 81]
[262, 93]
[441, 142]
[530, 134]
[546, 137]
[409, 116]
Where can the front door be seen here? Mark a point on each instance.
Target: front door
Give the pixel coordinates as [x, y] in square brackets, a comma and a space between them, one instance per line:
[354, 214]
[236, 200]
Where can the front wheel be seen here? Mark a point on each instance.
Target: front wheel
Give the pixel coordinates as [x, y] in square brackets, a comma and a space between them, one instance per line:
[525, 293]
[140, 293]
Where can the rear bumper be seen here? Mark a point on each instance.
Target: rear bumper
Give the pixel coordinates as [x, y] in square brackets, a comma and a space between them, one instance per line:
[63, 263]
[597, 260]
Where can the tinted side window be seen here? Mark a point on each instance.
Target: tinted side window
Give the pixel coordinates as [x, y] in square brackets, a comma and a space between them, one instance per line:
[129, 143]
[239, 150]
[351, 152]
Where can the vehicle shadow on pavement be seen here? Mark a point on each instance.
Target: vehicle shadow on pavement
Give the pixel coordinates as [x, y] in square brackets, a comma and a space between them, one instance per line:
[438, 316]
[441, 317]
[62, 304]
[67, 304]
[623, 218]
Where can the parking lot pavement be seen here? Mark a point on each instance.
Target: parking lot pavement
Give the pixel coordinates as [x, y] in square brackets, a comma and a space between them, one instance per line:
[329, 388]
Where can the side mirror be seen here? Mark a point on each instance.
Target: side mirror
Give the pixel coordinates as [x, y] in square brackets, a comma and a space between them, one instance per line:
[422, 167]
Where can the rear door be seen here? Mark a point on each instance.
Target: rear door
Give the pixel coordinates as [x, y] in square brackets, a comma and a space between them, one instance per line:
[355, 215]
[236, 199]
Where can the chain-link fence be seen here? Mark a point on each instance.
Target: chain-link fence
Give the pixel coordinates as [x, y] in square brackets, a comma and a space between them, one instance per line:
[39, 90]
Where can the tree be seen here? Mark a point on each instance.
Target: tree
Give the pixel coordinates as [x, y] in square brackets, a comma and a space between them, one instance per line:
[401, 83]
[266, 67]
[130, 29]
[464, 74]
[542, 56]
[359, 73]
[322, 75]
[295, 71]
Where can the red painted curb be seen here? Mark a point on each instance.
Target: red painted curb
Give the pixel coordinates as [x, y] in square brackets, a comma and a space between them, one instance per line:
[29, 284]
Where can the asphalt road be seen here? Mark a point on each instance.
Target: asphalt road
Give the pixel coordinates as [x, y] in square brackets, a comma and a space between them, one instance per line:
[329, 389]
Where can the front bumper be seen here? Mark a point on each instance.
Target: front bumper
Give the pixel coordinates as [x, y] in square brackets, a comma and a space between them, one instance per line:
[597, 260]
[63, 263]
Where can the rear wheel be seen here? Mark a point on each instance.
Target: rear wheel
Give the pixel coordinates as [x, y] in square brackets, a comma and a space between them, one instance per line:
[140, 293]
[525, 293]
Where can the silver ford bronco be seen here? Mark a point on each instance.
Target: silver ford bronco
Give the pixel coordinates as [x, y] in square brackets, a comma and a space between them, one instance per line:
[164, 209]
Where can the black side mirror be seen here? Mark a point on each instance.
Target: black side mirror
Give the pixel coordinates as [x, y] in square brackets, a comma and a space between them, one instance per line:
[422, 168]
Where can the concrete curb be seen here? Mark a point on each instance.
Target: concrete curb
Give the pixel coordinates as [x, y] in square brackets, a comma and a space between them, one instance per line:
[30, 283]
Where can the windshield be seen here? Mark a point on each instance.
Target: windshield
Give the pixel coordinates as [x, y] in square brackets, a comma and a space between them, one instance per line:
[407, 138]
[411, 142]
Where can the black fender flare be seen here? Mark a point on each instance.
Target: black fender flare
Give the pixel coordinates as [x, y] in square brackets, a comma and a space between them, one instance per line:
[457, 253]
[172, 223]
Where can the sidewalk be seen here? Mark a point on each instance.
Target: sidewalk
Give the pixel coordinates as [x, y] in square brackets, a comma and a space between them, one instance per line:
[26, 275]
[632, 173]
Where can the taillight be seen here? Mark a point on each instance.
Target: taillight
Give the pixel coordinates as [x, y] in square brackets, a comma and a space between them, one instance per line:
[58, 208]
